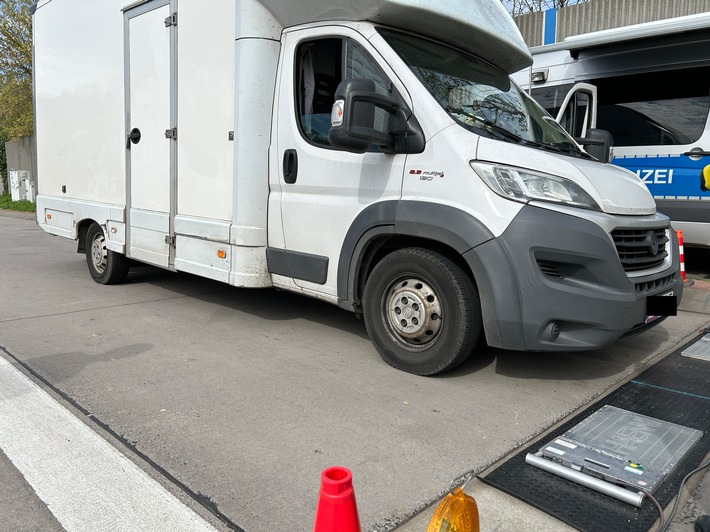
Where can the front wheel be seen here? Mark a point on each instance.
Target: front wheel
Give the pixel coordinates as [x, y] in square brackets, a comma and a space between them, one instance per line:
[422, 311]
[105, 266]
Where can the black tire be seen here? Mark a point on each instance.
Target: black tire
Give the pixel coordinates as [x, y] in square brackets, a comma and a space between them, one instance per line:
[422, 311]
[105, 266]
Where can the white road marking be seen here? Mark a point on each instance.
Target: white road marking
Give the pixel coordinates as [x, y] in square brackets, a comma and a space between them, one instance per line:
[84, 481]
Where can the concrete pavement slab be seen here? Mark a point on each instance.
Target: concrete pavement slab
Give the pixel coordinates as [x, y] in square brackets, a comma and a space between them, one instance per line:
[88, 484]
[500, 511]
[245, 396]
[22, 509]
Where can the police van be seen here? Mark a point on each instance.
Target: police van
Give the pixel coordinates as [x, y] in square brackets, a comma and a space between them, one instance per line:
[649, 86]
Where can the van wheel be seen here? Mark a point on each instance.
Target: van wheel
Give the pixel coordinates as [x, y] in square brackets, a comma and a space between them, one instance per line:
[422, 311]
[105, 266]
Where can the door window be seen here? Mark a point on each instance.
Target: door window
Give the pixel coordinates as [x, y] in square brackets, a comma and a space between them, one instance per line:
[576, 115]
[657, 108]
[321, 65]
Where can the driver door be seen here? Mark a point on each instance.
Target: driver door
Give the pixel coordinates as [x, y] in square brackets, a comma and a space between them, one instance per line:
[321, 190]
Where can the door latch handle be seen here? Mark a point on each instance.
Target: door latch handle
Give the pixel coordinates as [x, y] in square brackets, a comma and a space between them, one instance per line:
[133, 137]
[290, 166]
[697, 153]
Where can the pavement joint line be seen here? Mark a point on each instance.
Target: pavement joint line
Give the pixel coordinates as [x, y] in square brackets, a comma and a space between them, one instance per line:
[11, 375]
[670, 390]
[93, 309]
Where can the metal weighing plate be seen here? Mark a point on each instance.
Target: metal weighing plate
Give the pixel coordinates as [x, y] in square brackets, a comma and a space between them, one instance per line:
[623, 447]
[700, 349]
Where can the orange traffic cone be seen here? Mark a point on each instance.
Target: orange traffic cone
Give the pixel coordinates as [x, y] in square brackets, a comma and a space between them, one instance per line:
[336, 510]
[679, 234]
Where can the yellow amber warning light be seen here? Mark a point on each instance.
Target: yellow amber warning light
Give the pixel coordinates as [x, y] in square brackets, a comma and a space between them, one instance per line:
[705, 178]
[458, 512]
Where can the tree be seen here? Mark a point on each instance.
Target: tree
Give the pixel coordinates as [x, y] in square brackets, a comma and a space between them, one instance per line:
[523, 7]
[16, 118]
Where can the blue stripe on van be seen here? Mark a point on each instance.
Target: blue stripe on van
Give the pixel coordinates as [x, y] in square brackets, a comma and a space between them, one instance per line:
[668, 176]
[550, 30]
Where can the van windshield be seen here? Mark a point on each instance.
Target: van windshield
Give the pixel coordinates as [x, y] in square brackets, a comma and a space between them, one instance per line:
[479, 96]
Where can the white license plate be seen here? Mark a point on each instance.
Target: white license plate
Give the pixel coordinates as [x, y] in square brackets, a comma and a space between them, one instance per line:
[650, 319]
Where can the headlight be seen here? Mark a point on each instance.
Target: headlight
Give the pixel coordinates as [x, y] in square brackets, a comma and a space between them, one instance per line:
[526, 185]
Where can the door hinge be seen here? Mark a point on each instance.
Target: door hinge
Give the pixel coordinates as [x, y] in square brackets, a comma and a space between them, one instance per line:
[170, 240]
[171, 133]
[171, 20]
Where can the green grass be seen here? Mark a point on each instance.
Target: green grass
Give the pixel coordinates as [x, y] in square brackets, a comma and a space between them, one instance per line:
[22, 205]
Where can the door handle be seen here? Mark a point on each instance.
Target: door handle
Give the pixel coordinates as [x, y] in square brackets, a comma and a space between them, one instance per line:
[290, 166]
[696, 154]
[134, 136]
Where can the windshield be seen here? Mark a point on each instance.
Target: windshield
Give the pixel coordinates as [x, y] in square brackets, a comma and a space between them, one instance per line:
[479, 96]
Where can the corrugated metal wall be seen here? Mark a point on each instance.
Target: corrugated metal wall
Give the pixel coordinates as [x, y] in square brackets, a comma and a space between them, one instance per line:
[532, 27]
[597, 15]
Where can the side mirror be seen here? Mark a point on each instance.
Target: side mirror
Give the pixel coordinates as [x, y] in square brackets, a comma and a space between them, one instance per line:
[362, 117]
[598, 143]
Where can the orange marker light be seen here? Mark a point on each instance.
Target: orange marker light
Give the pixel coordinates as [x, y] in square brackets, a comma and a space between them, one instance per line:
[49, 216]
[458, 512]
[222, 254]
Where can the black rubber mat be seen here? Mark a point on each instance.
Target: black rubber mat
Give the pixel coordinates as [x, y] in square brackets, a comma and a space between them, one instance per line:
[675, 389]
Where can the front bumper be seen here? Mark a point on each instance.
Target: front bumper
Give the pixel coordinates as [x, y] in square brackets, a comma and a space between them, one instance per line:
[553, 281]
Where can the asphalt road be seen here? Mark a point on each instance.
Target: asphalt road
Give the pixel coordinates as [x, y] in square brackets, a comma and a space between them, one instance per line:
[235, 400]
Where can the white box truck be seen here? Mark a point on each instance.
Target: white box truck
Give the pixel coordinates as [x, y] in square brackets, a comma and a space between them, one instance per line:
[370, 153]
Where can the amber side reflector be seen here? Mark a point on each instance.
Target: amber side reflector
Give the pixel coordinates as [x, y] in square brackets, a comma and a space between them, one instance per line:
[222, 254]
[49, 216]
[458, 512]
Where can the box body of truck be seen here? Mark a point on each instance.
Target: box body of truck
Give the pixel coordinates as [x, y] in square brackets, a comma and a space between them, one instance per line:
[372, 154]
[649, 86]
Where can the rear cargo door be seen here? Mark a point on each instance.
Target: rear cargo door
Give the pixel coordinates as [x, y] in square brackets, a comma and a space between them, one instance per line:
[151, 134]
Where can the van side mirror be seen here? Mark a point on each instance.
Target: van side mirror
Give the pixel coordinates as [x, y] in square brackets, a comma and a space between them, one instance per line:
[598, 143]
[362, 117]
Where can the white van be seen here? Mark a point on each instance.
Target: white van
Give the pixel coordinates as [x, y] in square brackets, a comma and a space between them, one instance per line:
[649, 86]
[370, 153]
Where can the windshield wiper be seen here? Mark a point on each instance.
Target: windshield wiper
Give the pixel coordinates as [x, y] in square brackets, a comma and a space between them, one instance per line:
[547, 146]
[492, 125]
[501, 131]
[558, 148]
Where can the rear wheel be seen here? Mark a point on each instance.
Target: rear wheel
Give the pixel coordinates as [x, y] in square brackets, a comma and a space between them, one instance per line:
[422, 311]
[105, 266]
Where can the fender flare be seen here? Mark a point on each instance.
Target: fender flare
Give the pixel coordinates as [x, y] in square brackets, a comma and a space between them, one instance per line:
[432, 221]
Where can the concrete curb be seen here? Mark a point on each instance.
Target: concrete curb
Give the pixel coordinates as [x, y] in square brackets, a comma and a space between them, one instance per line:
[696, 296]
[18, 214]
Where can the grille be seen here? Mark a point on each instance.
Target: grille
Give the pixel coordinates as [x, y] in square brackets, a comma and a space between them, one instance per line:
[652, 286]
[641, 249]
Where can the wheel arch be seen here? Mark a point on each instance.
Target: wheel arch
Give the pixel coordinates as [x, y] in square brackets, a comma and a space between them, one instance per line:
[387, 226]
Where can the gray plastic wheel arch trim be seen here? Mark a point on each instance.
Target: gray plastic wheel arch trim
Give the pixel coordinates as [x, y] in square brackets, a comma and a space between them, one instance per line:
[440, 223]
